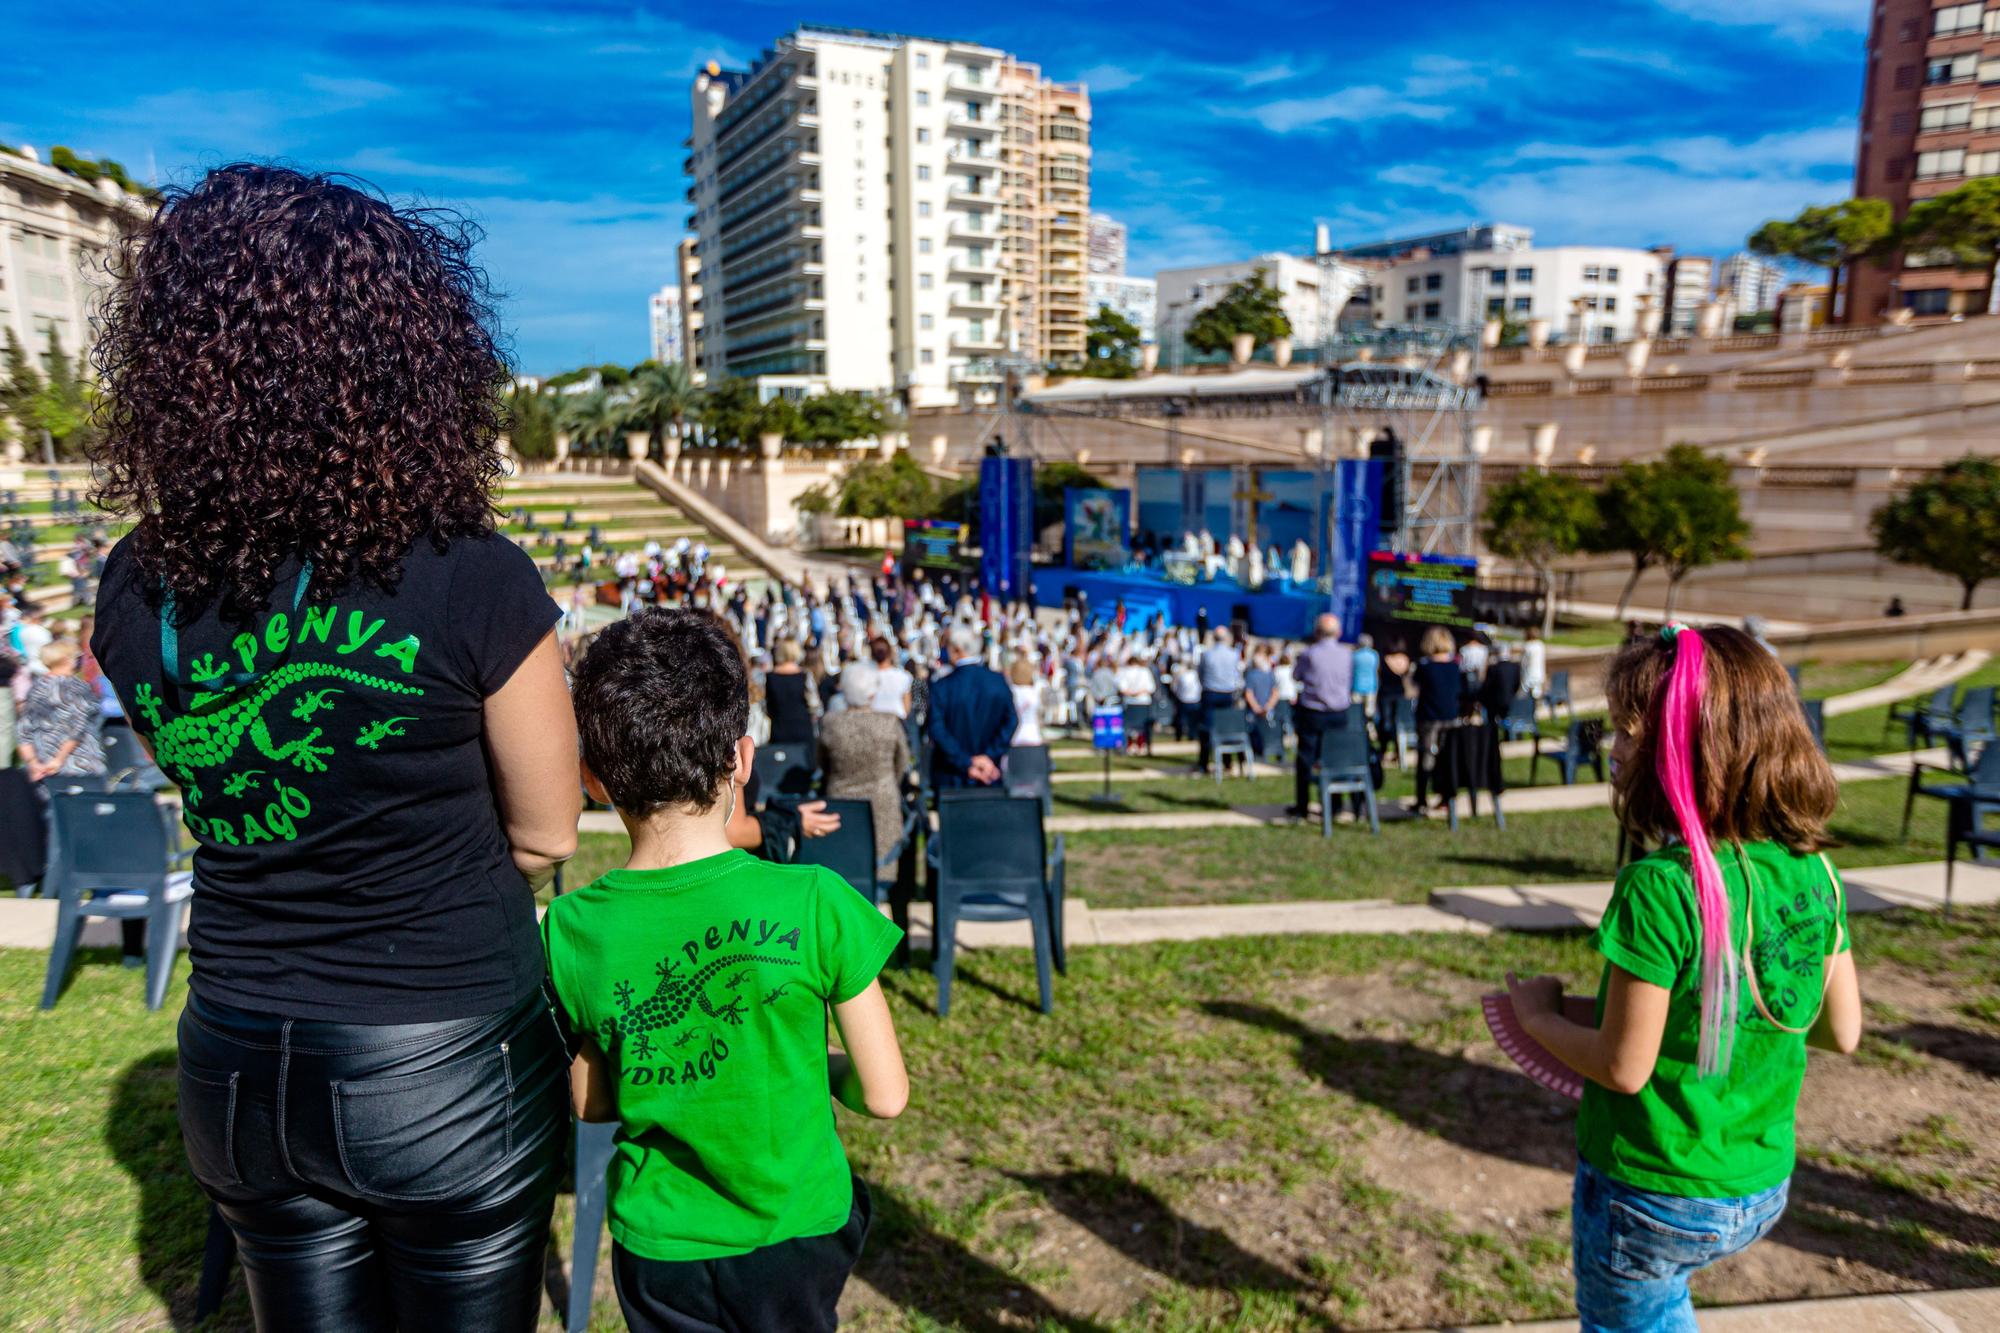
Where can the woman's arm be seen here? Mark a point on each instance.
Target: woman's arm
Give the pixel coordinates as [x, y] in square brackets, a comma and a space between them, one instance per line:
[1620, 1054]
[1838, 1028]
[591, 1085]
[531, 738]
[868, 1077]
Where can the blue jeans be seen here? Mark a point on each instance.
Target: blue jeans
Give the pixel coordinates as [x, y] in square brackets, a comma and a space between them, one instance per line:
[1634, 1249]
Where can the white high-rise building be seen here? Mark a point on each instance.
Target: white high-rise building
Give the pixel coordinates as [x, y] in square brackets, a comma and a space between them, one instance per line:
[886, 213]
[1137, 299]
[1107, 244]
[1749, 284]
[664, 307]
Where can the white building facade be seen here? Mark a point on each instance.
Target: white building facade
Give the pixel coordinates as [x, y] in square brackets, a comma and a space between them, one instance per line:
[847, 216]
[1137, 299]
[1749, 284]
[1107, 244]
[664, 313]
[56, 232]
[1587, 293]
[1185, 292]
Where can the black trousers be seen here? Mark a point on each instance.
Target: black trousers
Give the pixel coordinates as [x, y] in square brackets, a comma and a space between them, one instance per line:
[1310, 724]
[791, 1287]
[1210, 701]
[380, 1176]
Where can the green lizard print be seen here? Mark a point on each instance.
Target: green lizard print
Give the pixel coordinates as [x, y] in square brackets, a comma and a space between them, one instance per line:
[148, 704]
[312, 701]
[677, 996]
[196, 741]
[372, 735]
[238, 783]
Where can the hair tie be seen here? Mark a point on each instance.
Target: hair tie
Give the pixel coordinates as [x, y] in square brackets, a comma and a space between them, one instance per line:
[1671, 630]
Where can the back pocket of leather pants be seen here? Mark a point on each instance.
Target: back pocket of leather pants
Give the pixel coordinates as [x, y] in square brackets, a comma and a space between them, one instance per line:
[206, 1105]
[426, 1136]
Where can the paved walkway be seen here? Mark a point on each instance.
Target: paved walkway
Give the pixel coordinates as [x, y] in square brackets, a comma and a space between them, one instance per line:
[1970, 1311]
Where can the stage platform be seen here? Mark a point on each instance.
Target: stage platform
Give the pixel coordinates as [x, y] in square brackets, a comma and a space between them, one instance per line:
[1278, 610]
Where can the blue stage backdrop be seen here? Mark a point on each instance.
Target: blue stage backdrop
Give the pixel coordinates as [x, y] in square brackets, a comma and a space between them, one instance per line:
[1006, 526]
[1355, 528]
[1095, 522]
[1176, 500]
[1285, 504]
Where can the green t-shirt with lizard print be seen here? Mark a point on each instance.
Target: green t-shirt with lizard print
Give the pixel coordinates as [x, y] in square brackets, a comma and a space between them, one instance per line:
[706, 986]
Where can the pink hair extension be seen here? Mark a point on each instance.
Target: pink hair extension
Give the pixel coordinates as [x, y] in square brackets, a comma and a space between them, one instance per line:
[1680, 714]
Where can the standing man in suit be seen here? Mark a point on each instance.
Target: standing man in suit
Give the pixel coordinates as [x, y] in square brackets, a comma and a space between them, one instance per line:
[1221, 668]
[972, 717]
[1326, 689]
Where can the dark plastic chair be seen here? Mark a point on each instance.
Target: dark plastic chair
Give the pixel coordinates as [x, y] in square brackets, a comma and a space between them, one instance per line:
[1344, 769]
[1580, 746]
[1933, 714]
[1815, 711]
[1556, 695]
[115, 857]
[1519, 721]
[1229, 733]
[784, 770]
[1980, 782]
[849, 851]
[988, 865]
[126, 761]
[1967, 827]
[593, 1148]
[1973, 725]
[1026, 771]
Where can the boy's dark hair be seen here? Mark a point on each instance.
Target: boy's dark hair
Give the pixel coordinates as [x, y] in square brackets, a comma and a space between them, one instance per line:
[661, 700]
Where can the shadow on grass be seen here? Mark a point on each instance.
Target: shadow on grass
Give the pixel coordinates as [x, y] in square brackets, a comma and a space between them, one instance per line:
[1140, 1225]
[918, 1268]
[1978, 1052]
[1532, 866]
[142, 1129]
[1834, 1213]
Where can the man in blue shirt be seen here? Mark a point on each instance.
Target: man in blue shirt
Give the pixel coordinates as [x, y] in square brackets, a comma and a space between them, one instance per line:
[972, 717]
[1326, 688]
[1221, 682]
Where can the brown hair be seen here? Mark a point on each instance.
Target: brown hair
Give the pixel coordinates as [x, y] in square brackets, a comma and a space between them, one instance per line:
[1437, 639]
[1757, 771]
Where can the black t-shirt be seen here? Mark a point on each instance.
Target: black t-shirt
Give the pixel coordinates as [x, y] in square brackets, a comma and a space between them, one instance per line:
[351, 864]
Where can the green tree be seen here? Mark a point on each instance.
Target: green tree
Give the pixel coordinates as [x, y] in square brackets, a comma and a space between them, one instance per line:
[1051, 480]
[831, 418]
[728, 411]
[661, 398]
[780, 416]
[1680, 511]
[1965, 221]
[62, 401]
[531, 424]
[20, 383]
[1830, 236]
[1537, 518]
[891, 488]
[1949, 523]
[1110, 345]
[1251, 306]
[594, 421]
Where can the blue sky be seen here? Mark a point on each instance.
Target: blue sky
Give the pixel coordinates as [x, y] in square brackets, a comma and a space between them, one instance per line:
[1222, 128]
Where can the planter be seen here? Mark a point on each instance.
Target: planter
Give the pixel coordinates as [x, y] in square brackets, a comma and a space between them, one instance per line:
[1538, 333]
[1708, 320]
[1636, 355]
[1481, 443]
[1574, 356]
[1281, 352]
[939, 444]
[1240, 348]
[562, 448]
[1542, 441]
[1489, 333]
[1149, 358]
[770, 444]
[637, 445]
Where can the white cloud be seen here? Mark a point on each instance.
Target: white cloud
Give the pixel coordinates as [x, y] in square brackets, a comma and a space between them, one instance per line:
[1796, 20]
[1108, 79]
[1363, 102]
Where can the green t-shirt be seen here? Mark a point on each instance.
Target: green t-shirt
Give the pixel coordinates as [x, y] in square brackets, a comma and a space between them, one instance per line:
[1731, 1135]
[706, 985]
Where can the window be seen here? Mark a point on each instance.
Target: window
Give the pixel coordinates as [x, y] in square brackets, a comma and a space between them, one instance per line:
[1941, 162]
[1951, 69]
[1610, 304]
[923, 245]
[1982, 164]
[1944, 116]
[923, 98]
[1496, 305]
[926, 322]
[975, 330]
[1409, 314]
[1524, 275]
[35, 243]
[923, 135]
[1899, 122]
[1498, 277]
[1522, 305]
[923, 282]
[923, 208]
[1986, 117]
[923, 60]
[1592, 273]
[927, 356]
[1906, 76]
[1894, 170]
[1431, 310]
[1956, 19]
[1414, 284]
[1989, 72]
[1935, 301]
[1434, 282]
[1611, 275]
[923, 172]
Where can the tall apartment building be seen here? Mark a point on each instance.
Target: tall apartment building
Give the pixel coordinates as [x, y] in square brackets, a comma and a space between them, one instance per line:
[1749, 284]
[1107, 244]
[663, 310]
[1137, 299]
[1690, 278]
[688, 266]
[56, 231]
[1930, 120]
[886, 213]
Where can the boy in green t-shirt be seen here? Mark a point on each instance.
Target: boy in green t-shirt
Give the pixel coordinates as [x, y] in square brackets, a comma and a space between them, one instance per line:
[699, 980]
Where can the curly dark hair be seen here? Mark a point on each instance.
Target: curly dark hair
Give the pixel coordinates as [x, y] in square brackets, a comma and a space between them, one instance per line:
[295, 367]
[662, 698]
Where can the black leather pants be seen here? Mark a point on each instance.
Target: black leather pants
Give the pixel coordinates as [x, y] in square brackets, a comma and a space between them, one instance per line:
[380, 1177]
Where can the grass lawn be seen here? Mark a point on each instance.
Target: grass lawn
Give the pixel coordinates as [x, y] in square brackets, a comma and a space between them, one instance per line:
[1281, 1133]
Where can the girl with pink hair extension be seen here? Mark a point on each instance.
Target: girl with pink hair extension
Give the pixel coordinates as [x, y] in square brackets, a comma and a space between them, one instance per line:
[1725, 955]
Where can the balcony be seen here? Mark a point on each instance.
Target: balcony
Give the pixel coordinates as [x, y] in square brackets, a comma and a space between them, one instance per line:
[960, 86]
[960, 123]
[969, 161]
[977, 270]
[963, 299]
[960, 197]
[976, 344]
[964, 227]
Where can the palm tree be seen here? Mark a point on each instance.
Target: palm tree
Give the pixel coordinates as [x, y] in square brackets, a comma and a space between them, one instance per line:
[661, 398]
[593, 420]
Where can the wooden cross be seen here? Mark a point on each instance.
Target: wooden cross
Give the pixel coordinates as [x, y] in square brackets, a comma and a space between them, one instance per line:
[1254, 496]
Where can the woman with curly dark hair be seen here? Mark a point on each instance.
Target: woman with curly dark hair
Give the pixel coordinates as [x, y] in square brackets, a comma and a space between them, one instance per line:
[356, 683]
